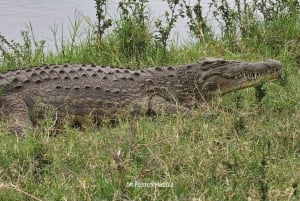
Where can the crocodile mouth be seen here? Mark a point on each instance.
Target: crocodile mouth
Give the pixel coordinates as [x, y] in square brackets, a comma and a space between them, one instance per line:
[267, 74]
[239, 80]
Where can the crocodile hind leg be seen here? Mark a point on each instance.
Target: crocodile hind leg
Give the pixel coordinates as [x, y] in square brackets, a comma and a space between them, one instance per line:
[18, 118]
[158, 104]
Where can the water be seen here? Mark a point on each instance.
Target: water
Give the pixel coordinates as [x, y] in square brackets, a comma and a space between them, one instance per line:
[16, 15]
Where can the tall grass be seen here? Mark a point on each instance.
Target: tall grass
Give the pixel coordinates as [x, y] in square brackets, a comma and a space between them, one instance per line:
[246, 148]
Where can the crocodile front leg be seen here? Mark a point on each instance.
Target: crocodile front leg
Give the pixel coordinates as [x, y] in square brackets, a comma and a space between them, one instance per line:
[158, 105]
[18, 118]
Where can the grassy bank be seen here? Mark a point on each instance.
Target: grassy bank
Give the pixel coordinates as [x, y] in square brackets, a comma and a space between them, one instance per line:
[248, 150]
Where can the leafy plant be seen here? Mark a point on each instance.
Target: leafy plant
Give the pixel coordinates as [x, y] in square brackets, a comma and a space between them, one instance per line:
[132, 31]
[171, 16]
[15, 54]
[102, 22]
[197, 23]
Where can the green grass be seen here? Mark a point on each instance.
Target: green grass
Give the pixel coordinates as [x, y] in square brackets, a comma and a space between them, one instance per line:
[249, 151]
[203, 159]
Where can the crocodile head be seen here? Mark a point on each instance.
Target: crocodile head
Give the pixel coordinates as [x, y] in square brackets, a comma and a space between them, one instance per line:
[220, 77]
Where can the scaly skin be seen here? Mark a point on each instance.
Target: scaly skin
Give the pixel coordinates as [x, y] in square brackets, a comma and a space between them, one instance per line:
[97, 92]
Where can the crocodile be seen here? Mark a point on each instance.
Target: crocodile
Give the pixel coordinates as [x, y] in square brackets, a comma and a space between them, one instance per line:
[79, 91]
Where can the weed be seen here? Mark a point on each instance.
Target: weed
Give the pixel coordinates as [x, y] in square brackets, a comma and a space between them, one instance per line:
[102, 22]
[132, 32]
[17, 55]
[197, 23]
[171, 16]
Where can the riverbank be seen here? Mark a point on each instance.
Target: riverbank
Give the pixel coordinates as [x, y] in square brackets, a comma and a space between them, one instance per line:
[247, 150]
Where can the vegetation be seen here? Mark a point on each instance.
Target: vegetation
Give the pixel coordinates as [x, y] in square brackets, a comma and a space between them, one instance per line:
[247, 147]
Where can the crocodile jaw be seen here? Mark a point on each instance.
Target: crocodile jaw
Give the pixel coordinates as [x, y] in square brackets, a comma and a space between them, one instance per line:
[245, 82]
[245, 75]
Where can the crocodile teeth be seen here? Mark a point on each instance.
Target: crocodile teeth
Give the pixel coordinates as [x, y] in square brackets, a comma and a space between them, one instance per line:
[252, 75]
